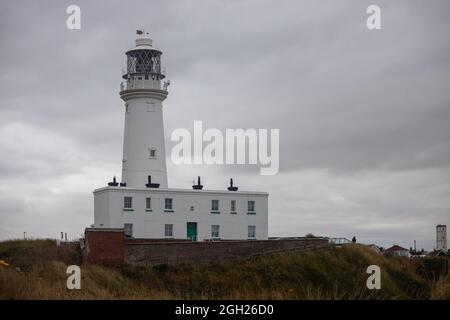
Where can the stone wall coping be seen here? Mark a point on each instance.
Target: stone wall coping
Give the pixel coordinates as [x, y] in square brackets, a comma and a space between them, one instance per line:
[182, 191]
[104, 230]
[150, 242]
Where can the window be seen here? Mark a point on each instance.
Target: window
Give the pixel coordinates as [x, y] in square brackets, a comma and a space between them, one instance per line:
[215, 206]
[215, 231]
[251, 232]
[152, 153]
[146, 77]
[168, 230]
[233, 206]
[168, 204]
[128, 203]
[128, 228]
[251, 207]
[148, 204]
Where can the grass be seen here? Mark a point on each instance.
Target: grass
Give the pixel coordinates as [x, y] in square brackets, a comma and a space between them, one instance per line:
[323, 274]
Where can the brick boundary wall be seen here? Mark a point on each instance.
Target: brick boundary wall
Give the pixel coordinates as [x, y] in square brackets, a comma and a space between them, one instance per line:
[104, 246]
[145, 241]
[203, 252]
[110, 247]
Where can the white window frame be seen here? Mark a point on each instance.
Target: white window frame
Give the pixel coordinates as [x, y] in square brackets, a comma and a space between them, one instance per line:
[215, 231]
[251, 205]
[166, 201]
[148, 204]
[251, 232]
[233, 206]
[168, 230]
[128, 204]
[215, 205]
[128, 230]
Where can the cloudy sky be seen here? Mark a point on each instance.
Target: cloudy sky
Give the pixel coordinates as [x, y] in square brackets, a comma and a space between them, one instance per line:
[364, 116]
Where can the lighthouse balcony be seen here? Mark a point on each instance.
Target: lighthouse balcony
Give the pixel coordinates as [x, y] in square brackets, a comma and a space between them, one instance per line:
[160, 73]
[143, 83]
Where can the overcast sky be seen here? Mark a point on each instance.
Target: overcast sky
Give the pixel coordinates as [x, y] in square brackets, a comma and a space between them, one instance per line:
[364, 116]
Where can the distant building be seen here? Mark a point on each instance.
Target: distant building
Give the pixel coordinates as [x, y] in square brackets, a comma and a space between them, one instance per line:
[375, 248]
[441, 237]
[398, 251]
[437, 253]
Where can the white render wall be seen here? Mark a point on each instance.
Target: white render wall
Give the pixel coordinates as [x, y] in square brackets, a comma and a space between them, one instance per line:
[109, 212]
[441, 237]
[143, 131]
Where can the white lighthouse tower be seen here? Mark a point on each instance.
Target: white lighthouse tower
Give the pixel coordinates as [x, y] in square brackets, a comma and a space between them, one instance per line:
[144, 160]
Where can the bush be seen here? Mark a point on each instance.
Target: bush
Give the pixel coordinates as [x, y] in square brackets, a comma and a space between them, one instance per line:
[335, 273]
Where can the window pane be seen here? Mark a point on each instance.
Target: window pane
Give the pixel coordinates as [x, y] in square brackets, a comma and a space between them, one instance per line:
[215, 205]
[128, 229]
[251, 206]
[148, 203]
[233, 205]
[251, 231]
[127, 202]
[168, 230]
[168, 204]
[215, 231]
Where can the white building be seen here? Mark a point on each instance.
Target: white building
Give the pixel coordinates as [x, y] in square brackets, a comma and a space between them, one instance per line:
[441, 237]
[142, 203]
[398, 251]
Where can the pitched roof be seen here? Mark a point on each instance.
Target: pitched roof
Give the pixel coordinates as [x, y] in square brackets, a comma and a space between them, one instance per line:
[438, 253]
[395, 248]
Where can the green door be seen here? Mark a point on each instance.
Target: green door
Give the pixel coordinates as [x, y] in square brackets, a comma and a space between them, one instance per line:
[192, 231]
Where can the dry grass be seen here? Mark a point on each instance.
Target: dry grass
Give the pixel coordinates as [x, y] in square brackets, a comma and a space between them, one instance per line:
[324, 274]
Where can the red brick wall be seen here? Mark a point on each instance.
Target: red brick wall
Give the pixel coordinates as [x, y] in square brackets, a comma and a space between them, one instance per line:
[104, 246]
[171, 253]
[109, 247]
[144, 241]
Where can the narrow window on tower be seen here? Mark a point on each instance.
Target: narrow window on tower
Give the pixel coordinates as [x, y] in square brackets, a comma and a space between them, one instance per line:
[127, 204]
[152, 153]
[148, 204]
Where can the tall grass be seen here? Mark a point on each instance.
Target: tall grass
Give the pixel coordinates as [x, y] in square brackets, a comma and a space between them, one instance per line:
[323, 274]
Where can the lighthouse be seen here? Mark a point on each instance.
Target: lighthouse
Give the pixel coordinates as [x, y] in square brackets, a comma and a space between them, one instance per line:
[142, 205]
[143, 91]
